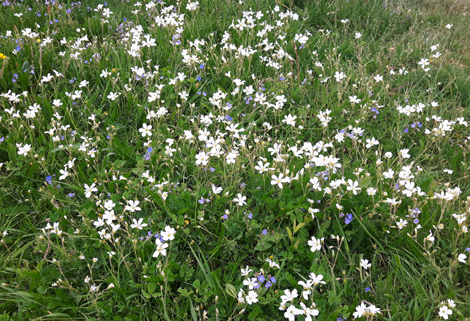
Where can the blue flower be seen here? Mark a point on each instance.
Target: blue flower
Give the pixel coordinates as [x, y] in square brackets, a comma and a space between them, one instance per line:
[348, 219]
[265, 231]
[198, 78]
[201, 66]
[368, 289]
[273, 279]
[250, 216]
[268, 285]
[261, 278]
[201, 201]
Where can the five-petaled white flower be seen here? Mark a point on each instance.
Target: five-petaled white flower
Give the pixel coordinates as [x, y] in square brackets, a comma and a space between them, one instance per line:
[90, 189]
[146, 130]
[240, 199]
[462, 258]
[365, 264]
[315, 244]
[133, 206]
[316, 279]
[168, 234]
[353, 186]
[161, 248]
[138, 224]
[291, 312]
[278, 180]
[444, 312]
[252, 297]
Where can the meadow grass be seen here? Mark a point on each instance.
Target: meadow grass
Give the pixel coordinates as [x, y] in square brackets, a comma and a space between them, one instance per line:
[234, 160]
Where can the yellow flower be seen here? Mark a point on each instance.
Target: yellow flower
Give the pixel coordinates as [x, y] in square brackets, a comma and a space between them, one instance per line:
[2, 56]
[39, 40]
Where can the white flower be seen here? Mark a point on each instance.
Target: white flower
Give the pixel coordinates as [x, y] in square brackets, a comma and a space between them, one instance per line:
[404, 153]
[289, 120]
[315, 244]
[353, 186]
[202, 158]
[365, 264]
[161, 249]
[430, 237]
[462, 257]
[112, 96]
[451, 303]
[316, 279]
[168, 234]
[378, 78]
[309, 312]
[444, 312]
[138, 224]
[291, 312]
[272, 264]
[360, 310]
[109, 205]
[371, 142]
[278, 180]
[132, 206]
[401, 224]
[262, 167]
[252, 297]
[64, 174]
[241, 299]
[389, 173]
[448, 26]
[90, 189]
[216, 190]
[23, 150]
[145, 130]
[250, 283]
[289, 296]
[240, 199]
[246, 271]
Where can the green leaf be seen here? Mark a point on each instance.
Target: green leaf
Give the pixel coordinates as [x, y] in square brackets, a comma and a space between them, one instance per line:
[231, 290]
[365, 182]
[289, 233]
[262, 246]
[298, 227]
[151, 287]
